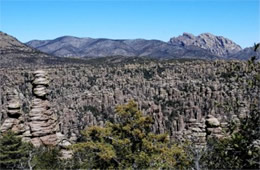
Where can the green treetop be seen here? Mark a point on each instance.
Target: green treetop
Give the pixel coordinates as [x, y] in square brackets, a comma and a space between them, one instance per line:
[128, 143]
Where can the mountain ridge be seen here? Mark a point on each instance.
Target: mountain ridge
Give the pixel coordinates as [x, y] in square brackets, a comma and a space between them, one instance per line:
[218, 45]
[184, 46]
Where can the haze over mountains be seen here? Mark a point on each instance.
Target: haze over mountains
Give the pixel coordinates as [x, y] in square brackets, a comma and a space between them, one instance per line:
[206, 46]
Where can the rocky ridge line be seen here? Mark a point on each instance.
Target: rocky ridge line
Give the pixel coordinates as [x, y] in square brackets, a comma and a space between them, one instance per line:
[217, 45]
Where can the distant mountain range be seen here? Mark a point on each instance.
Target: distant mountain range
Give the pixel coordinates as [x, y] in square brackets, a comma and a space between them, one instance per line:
[203, 46]
[68, 46]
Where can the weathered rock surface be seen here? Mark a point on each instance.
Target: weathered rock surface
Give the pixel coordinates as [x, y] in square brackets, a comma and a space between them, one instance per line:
[217, 45]
[14, 113]
[38, 124]
[42, 121]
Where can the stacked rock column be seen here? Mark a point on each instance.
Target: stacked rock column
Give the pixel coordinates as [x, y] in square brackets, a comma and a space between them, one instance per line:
[196, 132]
[14, 120]
[42, 120]
[213, 127]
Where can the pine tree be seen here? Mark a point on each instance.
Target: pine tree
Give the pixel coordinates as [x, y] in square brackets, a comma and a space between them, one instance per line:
[46, 158]
[13, 152]
[128, 143]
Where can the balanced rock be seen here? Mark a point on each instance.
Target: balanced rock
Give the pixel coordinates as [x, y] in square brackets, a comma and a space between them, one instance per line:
[211, 121]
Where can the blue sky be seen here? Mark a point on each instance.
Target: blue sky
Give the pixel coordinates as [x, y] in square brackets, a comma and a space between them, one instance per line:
[238, 20]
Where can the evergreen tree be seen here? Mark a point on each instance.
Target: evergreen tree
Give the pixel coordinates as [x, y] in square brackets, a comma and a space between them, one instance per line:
[46, 158]
[13, 152]
[128, 143]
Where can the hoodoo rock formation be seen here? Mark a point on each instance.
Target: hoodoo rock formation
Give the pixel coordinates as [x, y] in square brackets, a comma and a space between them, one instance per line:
[39, 124]
[15, 118]
[42, 120]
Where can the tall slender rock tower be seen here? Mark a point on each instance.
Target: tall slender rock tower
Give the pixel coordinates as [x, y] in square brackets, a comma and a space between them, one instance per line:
[42, 121]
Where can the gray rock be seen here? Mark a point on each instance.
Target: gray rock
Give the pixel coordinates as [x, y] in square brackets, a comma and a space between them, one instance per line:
[212, 121]
[40, 91]
[217, 45]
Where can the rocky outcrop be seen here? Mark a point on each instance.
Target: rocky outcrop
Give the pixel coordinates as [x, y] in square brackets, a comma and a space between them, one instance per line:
[42, 121]
[217, 45]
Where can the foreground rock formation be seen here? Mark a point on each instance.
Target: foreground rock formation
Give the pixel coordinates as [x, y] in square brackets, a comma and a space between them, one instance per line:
[39, 124]
[42, 120]
[15, 117]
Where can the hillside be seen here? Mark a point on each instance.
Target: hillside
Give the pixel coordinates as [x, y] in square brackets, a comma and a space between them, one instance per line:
[15, 54]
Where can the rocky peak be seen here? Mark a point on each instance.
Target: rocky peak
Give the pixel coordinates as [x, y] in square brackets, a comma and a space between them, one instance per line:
[217, 45]
[188, 35]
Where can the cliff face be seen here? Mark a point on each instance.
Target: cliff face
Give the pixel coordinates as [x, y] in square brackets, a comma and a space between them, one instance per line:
[185, 99]
[217, 45]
